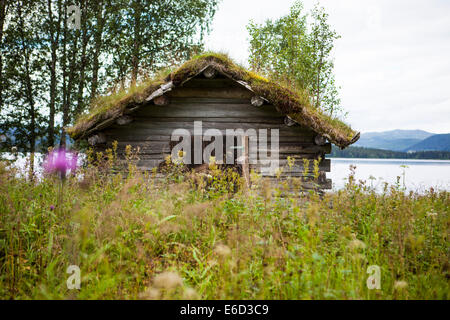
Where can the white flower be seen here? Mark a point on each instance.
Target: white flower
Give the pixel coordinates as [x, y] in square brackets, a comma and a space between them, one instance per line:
[356, 244]
[167, 280]
[432, 214]
[399, 285]
[222, 250]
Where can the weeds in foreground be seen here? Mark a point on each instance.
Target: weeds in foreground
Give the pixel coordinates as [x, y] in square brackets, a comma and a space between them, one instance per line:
[135, 236]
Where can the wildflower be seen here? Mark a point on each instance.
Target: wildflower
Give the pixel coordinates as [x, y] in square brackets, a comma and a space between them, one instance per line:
[356, 244]
[222, 250]
[399, 285]
[290, 161]
[167, 280]
[432, 214]
[52, 207]
[190, 294]
[60, 161]
[150, 294]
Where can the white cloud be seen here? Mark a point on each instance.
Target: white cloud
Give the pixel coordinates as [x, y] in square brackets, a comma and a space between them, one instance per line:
[392, 60]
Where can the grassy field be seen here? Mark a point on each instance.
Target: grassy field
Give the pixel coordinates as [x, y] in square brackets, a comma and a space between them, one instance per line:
[184, 237]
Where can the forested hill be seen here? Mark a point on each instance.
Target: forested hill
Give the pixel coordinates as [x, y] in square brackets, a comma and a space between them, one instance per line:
[396, 140]
[360, 152]
[435, 142]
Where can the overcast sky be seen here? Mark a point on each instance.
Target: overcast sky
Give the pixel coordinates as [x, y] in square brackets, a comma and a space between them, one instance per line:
[392, 62]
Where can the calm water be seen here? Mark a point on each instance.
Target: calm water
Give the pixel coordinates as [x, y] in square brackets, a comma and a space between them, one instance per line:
[419, 174]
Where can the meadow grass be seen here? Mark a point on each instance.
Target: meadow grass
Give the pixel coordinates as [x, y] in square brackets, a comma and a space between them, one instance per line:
[136, 236]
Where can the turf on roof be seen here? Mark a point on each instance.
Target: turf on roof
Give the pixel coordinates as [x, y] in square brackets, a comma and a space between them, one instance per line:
[296, 104]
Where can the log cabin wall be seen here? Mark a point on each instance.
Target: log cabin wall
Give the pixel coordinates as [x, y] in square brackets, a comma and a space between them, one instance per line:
[221, 104]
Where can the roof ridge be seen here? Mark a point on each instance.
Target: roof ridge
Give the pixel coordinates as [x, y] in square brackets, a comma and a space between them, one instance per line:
[294, 104]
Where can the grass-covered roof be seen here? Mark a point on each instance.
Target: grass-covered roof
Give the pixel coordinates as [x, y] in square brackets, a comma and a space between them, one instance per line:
[294, 103]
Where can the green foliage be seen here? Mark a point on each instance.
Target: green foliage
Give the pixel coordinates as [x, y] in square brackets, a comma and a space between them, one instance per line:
[297, 51]
[50, 73]
[21, 83]
[140, 236]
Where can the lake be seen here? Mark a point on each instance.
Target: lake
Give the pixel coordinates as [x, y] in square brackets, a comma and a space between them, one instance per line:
[419, 175]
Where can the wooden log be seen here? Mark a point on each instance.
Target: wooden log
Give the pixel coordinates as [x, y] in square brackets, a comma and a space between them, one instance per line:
[100, 126]
[256, 101]
[97, 139]
[211, 83]
[140, 129]
[299, 148]
[209, 72]
[123, 120]
[207, 110]
[256, 120]
[161, 100]
[320, 140]
[145, 147]
[233, 93]
[160, 91]
[146, 134]
[288, 121]
[208, 100]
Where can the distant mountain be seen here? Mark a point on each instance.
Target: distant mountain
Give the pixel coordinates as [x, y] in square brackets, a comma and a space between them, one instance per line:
[396, 140]
[437, 142]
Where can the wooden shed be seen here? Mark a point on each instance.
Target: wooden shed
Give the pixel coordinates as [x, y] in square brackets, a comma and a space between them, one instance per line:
[213, 91]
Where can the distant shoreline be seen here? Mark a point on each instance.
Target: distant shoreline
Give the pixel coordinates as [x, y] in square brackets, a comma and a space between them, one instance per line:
[370, 153]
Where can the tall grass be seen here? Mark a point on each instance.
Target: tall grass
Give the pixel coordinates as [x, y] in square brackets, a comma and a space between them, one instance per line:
[192, 236]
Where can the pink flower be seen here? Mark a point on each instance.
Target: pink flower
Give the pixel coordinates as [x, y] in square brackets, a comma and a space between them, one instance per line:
[60, 161]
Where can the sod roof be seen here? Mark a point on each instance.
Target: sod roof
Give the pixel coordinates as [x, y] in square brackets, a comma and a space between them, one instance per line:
[294, 103]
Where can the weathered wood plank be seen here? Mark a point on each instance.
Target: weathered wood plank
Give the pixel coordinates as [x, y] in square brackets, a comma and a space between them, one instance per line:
[299, 148]
[142, 125]
[232, 92]
[161, 100]
[272, 120]
[203, 100]
[211, 83]
[207, 110]
[147, 134]
[158, 134]
[135, 139]
[146, 147]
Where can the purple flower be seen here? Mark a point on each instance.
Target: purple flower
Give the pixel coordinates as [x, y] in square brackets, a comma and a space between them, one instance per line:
[52, 207]
[60, 161]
